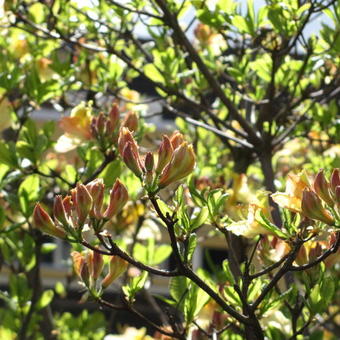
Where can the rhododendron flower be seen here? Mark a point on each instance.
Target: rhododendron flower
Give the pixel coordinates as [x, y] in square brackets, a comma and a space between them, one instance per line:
[248, 228]
[291, 198]
[77, 128]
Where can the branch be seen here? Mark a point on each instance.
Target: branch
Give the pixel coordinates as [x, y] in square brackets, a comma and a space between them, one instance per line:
[321, 258]
[115, 250]
[172, 22]
[187, 272]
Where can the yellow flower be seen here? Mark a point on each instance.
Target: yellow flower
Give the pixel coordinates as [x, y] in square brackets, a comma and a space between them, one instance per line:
[77, 128]
[292, 197]
[249, 227]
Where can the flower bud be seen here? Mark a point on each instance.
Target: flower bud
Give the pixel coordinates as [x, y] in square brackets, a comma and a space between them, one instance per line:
[100, 126]
[117, 267]
[321, 187]
[118, 198]
[312, 208]
[181, 164]
[43, 221]
[130, 121]
[337, 195]
[301, 257]
[176, 139]
[315, 252]
[335, 180]
[81, 267]
[68, 205]
[96, 190]
[132, 160]
[95, 263]
[149, 162]
[165, 152]
[125, 136]
[59, 211]
[114, 116]
[83, 203]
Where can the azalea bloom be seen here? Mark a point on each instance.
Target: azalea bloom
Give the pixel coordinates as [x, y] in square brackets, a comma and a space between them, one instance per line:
[292, 197]
[77, 128]
[249, 227]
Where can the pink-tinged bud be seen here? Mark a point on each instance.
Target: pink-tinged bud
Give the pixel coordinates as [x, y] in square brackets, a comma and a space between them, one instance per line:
[130, 121]
[93, 127]
[335, 180]
[43, 221]
[101, 124]
[301, 257]
[125, 136]
[78, 262]
[176, 139]
[321, 187]
[337, 194]
[117, 267]
[95, 263]
[114, 116]
[149, 162]
[68, 205]
[315, 252]
[312, 208]
[165, 152]
[81, 267]
[59, 211]
[132, 160]
[181, 165]
[83, 203]
[96, 190]
[118, 198]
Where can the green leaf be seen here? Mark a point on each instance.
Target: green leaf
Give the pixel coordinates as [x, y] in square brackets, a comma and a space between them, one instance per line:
[45, 299]
[263, 220]
[200, 219]
[161, 253]
[28, 194]
[178, 288]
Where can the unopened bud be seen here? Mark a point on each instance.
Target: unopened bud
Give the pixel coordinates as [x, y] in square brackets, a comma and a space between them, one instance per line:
[68, 205]
[315, 252]
[321, 187]
[132, 160]
[95, 263]
[96, 190]
[78, 262]
[118, 198]
[130, 121]
[43, 221]
[114, 116]
[125, 136]
[181, 165]
[101, 124]
[335, 180]
[149, 162]
[176, 139]
[165, 152]
[59, 211]
[337, 195]
[301, 257]
[117, 267]
[312, 208]
[83, 203]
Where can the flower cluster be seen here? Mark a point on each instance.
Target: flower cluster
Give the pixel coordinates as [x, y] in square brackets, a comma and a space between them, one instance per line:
[85, 203]
[175, 160]
[317, 200]
[82, 125]
[89, 267]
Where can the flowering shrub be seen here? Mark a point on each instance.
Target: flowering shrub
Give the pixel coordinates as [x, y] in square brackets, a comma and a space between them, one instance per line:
[255, 102]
